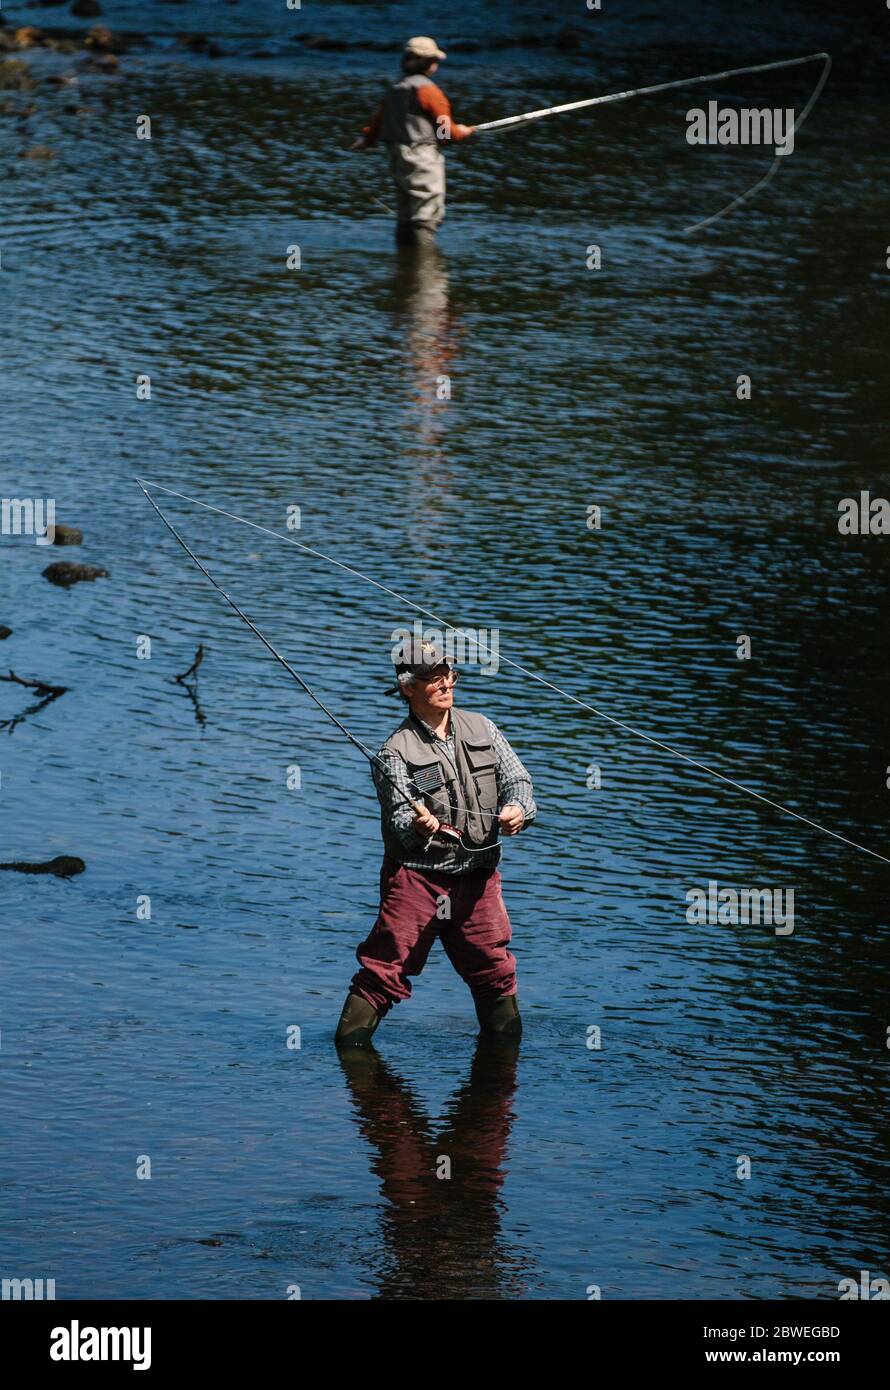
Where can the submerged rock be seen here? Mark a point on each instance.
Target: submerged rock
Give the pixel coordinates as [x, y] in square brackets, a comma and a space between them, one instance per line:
[63, 866]
[5, 632]
[67, 535]
[65, 573]
[86, 9]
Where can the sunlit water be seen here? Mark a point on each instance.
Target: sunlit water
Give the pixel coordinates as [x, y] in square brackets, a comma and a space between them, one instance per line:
[572, 1165]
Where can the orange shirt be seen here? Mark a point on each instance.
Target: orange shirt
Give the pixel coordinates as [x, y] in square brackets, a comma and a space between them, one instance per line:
[433, 103]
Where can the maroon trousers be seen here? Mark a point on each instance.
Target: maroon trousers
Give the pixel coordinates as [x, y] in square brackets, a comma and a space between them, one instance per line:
[473, 926]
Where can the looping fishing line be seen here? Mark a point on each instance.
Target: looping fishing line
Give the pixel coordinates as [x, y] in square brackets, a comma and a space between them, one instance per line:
[523, 670]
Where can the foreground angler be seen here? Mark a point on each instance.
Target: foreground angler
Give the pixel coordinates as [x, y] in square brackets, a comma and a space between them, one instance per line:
[464, 776]
[414, 122]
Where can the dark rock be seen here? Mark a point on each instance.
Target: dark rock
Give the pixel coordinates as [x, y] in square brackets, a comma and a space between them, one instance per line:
[86, 9]
[65, 573]
[5, 632]
[63, 866]
[214, 49]
[39, 152]
[67, 535]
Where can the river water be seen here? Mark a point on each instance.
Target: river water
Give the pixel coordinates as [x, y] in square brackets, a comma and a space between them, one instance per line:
[128, 1038]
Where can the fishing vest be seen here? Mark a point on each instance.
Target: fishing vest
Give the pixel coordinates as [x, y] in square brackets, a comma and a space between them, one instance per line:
[463, 793]
[403, 122]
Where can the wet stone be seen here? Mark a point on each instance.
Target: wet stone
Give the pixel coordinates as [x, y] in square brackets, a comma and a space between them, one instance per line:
[63, 866]
[65, 573]
[67, 535]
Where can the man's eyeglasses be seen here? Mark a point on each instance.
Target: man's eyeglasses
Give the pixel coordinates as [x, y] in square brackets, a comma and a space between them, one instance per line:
[448, 679]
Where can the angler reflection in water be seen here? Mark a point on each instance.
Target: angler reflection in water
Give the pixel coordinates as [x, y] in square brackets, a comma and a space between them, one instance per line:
[441, 1234]
[430, 328]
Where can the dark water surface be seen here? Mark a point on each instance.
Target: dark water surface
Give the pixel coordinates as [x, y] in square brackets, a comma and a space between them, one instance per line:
[121, 1037]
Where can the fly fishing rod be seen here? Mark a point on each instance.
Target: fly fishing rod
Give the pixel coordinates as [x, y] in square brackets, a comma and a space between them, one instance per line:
[447, 832]
[644, 91]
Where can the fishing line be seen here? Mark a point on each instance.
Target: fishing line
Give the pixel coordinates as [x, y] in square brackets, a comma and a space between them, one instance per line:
[532, 675]
[444, 829]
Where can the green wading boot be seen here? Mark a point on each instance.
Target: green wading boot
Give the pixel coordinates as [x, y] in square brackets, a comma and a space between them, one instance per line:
[501, 1018]
[357, 1022]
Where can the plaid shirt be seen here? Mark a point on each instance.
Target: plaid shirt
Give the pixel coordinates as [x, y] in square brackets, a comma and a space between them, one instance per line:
[514, 788]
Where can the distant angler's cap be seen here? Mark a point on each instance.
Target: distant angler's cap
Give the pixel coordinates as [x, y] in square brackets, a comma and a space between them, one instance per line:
[423, 47]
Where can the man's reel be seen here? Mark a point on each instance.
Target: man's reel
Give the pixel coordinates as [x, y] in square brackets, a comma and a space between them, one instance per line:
[446, 831]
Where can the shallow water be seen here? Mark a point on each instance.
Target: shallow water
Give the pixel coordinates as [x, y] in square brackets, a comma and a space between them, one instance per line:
[572, 1166]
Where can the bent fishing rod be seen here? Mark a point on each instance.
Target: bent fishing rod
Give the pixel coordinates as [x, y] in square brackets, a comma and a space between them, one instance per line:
[447, 832]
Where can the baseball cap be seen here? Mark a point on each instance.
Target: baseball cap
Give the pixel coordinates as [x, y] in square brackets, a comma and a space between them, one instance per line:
[430, 662]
